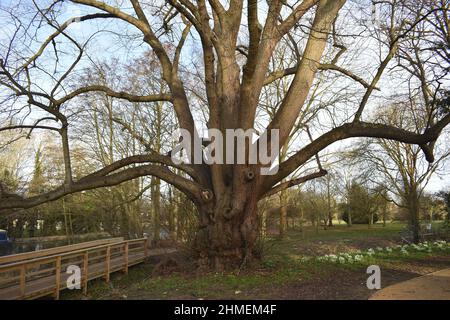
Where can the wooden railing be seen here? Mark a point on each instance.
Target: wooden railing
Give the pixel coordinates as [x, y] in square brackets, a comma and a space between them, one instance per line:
[56, 250]
[37, 277]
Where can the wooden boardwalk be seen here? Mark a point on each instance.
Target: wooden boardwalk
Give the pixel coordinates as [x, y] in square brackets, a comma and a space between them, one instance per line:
[44, 272]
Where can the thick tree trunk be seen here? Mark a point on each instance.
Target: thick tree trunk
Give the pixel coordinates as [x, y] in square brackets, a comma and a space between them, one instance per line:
[316, 224]
[156, 208]
[172, 216]
[224, 242]
[413, 206]
[264, 224]
[31, 228]
[330, 211]
[330, 219]
[124, 224]
[302, 230]
[283, 214]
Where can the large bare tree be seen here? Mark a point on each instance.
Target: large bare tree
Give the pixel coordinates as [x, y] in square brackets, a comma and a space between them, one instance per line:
[237, 40]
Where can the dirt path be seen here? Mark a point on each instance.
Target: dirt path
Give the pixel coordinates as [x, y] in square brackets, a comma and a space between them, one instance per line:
[433, 286]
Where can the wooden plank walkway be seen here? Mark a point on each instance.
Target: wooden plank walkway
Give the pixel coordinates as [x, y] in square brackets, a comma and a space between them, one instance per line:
[46, 275]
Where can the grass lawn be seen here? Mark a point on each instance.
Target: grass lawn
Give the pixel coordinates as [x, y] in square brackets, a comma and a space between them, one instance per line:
[283, 274]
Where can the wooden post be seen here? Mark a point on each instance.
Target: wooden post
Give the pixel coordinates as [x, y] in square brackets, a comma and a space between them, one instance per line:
[125, 269]
[58, 277]
[108, 263]
[85, 272]
[23, 275]
[146, 248]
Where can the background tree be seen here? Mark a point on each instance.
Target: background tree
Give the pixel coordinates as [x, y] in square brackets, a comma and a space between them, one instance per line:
[403, 167]
[362, 205]
[445, 196]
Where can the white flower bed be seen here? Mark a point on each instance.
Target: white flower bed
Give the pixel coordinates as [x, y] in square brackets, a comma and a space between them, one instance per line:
[358, 256]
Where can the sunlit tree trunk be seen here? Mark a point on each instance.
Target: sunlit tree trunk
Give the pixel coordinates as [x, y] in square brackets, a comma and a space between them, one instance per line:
[329, 201]
[414, 213]
[172, 215]
[156, 208]
[283, 214]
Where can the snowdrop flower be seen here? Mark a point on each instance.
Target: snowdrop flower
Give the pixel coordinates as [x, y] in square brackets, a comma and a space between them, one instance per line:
[305, 259]
[359, 255]
[438, 244]
[332, 257]
[346, 256]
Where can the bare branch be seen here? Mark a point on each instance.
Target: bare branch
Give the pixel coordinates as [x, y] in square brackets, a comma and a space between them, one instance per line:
[294, 182]
[323, 66]
[111, 93]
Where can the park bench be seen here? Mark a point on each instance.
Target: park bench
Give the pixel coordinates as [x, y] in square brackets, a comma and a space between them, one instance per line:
[425, 232]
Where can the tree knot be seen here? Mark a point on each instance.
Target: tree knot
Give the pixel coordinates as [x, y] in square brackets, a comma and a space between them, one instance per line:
[207, 195]
[249, 175]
